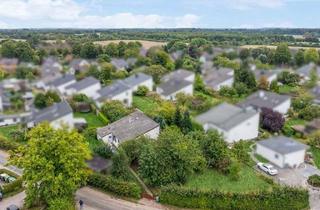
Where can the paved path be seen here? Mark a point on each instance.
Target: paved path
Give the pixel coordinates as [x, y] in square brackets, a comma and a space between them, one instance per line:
[95, 200]
[3, 161]
[16, 199]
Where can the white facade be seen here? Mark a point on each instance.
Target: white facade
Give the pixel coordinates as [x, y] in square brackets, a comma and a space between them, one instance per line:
[246, 130]
[62, 88]
[90, 91]
[226, 83]
[148, 83]
[284, 107]
[1, 104]
[190, 78]
[125, 97]
[10, 121]
[188, 90]
[291, 160]
[66, 120]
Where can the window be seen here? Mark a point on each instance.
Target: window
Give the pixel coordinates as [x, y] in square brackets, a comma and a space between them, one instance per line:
[276, 156]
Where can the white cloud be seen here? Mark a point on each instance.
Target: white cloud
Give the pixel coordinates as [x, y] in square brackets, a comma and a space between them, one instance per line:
[69, 13]
[251, 4]
[283, 24]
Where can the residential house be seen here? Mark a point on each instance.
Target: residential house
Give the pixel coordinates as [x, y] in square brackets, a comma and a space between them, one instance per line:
[50, 70]
[123, 64]
[9, 65]
[305, 71]
[206, 57]
[116, 91]
[309, 128]
[315, 92]
[78, 66]
[282, 151]
[217, 78]
[12, 119]
[233, 122]
[88, 86]
[128, 128]
[61, 83]
[176, 55]
[137, 80]
[179, 81]
[58, 115]
[269, 75]
[264, 99]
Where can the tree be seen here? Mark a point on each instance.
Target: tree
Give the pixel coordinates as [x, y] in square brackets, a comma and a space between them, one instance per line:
[274, 86]
[8, 49]
[53, 163]
[89, 50]
[244, 53]
[142, 91]
[315, 139]
[186, 124]
[245, 76]
[289, 78]
[282, 54]
[271, 120]
[156, 71]
[263, 83]
[240, 151]
[299, 57]
[106, 71]
[114, 110]
[40, 101]
[199, 84]
[309, 112]
[120, 165]
[160, 57]
[170, 159]
[177, 119]
[311, 55]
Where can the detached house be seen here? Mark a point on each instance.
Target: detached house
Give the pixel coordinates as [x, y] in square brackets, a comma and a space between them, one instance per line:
[315, 92]
[282, 151]
[78, 66]
[305, 71]
[123, 64]
[179, 81]
[88, 86]
[50, 70]
[137, 80]
[129, 128]
[9, 65]
[269, 75]
[61, 83]
[264, 99]
[217, 78]
[116, 91]
[57, 115]
[233, 122]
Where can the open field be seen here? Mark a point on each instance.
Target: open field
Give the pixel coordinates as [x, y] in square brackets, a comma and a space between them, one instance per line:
[274, 47]
[213, 180]
[145, 44]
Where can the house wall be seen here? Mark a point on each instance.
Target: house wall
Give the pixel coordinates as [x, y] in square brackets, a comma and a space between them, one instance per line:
[10, 121]
[191, 78]
[271, 78]
[272, 156]
[125, 97]
[62, 89]
[154, 133]
[90, 91]
[1, 104]
[294, 159]
[65, 120]
[227, 83]
[284, 107]
[148, 83]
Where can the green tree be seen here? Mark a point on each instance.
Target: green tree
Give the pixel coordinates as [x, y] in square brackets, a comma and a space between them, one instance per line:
[282, 54]
[156, 71]
[8, 49]
[299, 57]
[311, 55]
[199, 83]
[89, 50]
[177, 119]
[244, 53]
[160, 57]
[186, 124]
[106, 72]
[114, 110]
[53, 163]
[120, 165]
[245, 76]
[274, 86]
[40, 101]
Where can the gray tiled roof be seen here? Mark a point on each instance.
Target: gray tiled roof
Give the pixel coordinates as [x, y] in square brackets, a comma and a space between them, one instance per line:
[112, 90]
[179, 74]
[283, 145]
[129, 127]
[9, 61]
[306, 69]
[266, 73]
[316, 93]
[136, 79]
[121, 63]
[264, 99]
[171, 86]
[84, 83]
[214, 77]
[225, 116]
[51, 113]
[63, 80]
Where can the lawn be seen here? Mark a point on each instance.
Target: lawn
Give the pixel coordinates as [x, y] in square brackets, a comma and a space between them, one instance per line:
[213, 180]
[286, 89]
[6, 130]
[316, 156]
[146, 105]
[92, 119]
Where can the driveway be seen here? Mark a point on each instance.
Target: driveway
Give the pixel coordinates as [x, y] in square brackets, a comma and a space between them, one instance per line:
[16, 199]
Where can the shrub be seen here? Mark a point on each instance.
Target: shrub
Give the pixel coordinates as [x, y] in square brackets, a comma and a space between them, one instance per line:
[314, 180]
[113, 185]
[280, 198]
[5, 144]
[310, 112]
[104, 151]
[234, 171]
[227, 91]
[271, 120]
[114, 110]
[142, 91]
[61, 203]
[288, 78]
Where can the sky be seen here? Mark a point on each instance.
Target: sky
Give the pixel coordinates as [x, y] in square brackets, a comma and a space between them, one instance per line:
[159, 13]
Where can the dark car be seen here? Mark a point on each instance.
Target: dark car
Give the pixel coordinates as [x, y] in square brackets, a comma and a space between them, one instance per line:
[13, 207]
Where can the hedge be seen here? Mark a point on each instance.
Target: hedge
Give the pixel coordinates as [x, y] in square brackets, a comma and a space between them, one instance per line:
[13, 186]
[116, 186]
[102, 117]
[283, 198]
[5, 144]
[314, 180]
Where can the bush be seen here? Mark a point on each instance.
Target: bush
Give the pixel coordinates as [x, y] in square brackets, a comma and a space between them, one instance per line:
[280, 198]
[113, 185]
[5, 144]
[13, 186]
[271, 120]
[314, 180]
[310, 112]
[114, 110]
[142, 91]
[234, 171]
[61, 203]
[103, 151]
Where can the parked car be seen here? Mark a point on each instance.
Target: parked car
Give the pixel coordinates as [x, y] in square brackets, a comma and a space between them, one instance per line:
[11, 179]
[4, 177]
[1, 196]
[13, 207]
[268, 168]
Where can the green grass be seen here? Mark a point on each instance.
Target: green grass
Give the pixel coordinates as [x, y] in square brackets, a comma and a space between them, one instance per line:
[6, 130]
[286, 89]
[213, 180]
[146, 105]
[260, 158]
[316, 156]
[92, 119]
